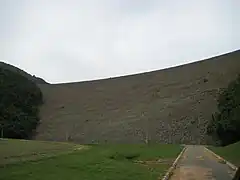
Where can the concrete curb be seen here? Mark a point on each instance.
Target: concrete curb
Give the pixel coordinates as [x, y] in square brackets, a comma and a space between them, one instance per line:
[221, 159]
[170, 170]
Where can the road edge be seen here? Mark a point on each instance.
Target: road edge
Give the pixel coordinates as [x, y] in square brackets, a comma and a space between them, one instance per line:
[232, 166]
[170, 170]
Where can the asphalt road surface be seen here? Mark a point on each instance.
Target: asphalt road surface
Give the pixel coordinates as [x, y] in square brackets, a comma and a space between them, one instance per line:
[198, 164]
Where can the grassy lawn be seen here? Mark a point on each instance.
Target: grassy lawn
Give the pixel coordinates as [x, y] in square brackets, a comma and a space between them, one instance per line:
[230, 153]
[13, 151]
[99, 162]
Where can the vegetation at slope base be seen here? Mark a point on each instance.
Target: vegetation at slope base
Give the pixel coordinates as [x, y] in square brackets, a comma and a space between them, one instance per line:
[99, 162]
[225, 125]
[19, 102]
[230, 153]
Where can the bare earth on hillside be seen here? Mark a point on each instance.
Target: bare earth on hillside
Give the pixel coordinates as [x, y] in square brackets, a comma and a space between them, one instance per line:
[169, 106]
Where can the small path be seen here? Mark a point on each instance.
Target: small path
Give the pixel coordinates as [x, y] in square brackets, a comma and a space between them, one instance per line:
[198, 164]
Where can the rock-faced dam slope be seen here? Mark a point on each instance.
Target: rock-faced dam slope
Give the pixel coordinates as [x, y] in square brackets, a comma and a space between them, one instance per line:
[169, 106]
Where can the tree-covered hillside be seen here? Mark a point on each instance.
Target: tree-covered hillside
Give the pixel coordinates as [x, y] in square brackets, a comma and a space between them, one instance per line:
[33, 78]
[19, 102]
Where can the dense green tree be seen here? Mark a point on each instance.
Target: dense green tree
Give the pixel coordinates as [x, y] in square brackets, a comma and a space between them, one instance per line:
[19, 102]
[225, 125]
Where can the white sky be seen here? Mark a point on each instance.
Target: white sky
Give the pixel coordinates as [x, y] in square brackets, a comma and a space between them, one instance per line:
[75, 40]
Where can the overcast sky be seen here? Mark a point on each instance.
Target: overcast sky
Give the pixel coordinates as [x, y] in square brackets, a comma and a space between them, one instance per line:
[75, 40]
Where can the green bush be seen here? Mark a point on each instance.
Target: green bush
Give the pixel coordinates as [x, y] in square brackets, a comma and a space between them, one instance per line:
[19, 102]
[225, 125]
[122, 156]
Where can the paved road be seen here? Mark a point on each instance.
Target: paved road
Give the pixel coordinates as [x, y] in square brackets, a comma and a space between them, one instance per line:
[198, 164]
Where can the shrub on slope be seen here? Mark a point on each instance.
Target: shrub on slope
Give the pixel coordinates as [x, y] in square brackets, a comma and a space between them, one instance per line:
[225, 125]
[19, 101]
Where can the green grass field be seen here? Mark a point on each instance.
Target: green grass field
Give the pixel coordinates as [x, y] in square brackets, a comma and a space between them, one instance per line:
[15, 151]
[97, 162]
[230, 153]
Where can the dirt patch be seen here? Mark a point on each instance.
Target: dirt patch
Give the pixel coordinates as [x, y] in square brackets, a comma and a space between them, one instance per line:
[154, 163]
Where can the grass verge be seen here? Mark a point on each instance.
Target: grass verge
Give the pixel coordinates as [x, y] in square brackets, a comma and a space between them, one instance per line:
[15, 151]
[231, 153]
[100, 162]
